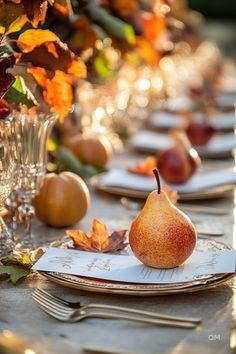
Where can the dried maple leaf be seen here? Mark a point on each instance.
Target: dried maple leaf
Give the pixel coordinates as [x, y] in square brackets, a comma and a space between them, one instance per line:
[57, 90]
[6, 79]
[99, 241]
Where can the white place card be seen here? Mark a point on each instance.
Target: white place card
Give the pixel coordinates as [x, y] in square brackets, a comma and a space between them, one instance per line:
[129, 269]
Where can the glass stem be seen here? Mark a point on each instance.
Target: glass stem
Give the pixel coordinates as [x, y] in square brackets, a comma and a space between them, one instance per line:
[6, 242]
[26, 212]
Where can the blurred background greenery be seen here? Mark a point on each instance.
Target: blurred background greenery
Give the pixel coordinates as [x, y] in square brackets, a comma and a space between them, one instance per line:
[219, 24]
[215, 8]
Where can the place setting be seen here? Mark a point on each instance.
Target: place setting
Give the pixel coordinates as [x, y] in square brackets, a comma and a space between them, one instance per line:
[117, 179]
[124, 274]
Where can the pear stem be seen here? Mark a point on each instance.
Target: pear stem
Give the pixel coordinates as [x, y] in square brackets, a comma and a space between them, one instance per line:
[156, 174]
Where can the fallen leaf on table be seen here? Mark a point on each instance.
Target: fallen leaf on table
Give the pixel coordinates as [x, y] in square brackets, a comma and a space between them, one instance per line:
[21, 259]
[16, 266]
[15, 272]
[100, 240]
[146, 167]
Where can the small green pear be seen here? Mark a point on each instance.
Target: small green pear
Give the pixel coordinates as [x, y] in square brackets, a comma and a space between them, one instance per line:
[162, 236]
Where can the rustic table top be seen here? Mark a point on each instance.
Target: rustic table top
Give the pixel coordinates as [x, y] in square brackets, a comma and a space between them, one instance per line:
[20, 313]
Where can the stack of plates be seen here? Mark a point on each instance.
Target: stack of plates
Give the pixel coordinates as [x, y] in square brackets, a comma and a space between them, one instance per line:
[108, 287]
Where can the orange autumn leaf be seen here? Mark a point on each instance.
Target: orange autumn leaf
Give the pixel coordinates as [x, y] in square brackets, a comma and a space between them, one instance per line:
[32, 38]
[100, 240]
[57, 90]
[145, 167]
[77, 68]
[147, 51]
[153, 26]
[99, 236]
[52, 49]
[42, 48]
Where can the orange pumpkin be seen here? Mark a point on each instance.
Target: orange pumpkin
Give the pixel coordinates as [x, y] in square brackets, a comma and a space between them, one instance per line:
[63, 199]
[94, 150]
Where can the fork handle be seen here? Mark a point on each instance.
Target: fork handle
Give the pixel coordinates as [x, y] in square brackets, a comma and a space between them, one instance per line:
[166, 323]
[145, 313]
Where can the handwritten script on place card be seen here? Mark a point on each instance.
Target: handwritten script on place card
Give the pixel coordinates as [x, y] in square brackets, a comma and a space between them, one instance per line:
[129, 269]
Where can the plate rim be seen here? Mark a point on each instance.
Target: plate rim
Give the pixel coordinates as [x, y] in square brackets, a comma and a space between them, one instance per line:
[137, 292]
[212, 193]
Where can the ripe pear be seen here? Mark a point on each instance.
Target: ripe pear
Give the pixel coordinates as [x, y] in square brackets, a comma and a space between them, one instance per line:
[162, 236]
[180, 162]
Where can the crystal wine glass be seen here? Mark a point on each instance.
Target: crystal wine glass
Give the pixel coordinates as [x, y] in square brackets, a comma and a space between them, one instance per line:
[31, 133]
[6, 186]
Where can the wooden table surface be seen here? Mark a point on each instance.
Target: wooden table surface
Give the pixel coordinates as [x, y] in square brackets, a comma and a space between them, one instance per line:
[20, 313]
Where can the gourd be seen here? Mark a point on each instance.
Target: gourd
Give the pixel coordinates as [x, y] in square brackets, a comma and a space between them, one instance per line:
[94, 150]
[63, 199]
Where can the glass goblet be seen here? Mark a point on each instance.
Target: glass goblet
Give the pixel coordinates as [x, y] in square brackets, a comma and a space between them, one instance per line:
[6, 186]
[31, 133]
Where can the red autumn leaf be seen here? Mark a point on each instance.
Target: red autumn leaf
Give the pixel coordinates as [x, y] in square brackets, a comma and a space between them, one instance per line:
[99, 241]
[6, 79]
[43, 48]
[5, 109]
[57, 90]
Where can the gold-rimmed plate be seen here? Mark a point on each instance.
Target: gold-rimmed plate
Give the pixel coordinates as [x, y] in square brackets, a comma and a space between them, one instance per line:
[216, 192]
[111, 287]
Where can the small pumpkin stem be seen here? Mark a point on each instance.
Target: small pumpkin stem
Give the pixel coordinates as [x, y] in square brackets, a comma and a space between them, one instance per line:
[156, 174]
